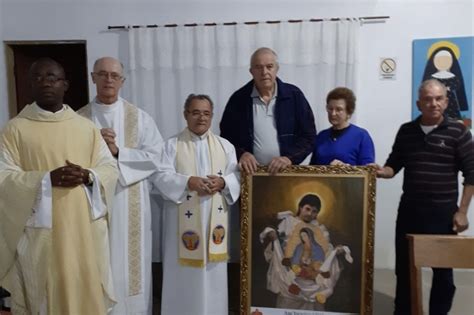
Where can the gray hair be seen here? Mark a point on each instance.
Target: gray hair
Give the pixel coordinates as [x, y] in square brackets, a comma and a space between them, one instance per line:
[430, 82]
[263, 50]
[203, 97]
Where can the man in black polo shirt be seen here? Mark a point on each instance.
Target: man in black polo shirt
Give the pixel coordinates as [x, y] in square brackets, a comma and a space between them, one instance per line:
[432, 149]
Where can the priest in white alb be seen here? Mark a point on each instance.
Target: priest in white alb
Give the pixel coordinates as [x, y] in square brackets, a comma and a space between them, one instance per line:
[134, 140]
[198, 178]
[57, 180]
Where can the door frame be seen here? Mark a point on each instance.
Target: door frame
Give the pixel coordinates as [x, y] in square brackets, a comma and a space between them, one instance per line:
[9, 46]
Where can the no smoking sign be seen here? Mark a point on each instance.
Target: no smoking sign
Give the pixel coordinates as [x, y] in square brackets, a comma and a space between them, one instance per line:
[388, 69]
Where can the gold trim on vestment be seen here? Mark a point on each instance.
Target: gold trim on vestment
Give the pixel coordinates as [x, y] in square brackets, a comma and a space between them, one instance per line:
[218, 257]
[134, 207]
[192, 263]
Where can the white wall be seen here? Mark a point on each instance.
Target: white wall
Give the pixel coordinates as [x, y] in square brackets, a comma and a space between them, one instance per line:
[382, 105]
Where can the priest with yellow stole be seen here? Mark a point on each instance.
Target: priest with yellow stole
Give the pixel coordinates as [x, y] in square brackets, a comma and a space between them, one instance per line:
[198, 178]
[57, 179]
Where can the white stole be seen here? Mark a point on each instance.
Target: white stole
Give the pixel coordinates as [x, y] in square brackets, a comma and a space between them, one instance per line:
[191, 250]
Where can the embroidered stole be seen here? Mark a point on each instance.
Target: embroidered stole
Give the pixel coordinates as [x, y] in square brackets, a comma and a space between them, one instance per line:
[190, 239]
[134, 206]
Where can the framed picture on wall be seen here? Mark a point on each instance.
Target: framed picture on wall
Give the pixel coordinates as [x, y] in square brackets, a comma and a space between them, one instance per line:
[449, 60]
[308, 241]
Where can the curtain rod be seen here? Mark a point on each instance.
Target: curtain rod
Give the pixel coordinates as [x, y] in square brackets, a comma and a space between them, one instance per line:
[368, 19]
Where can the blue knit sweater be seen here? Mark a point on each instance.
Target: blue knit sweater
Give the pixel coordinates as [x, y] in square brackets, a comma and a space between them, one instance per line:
[354, 147]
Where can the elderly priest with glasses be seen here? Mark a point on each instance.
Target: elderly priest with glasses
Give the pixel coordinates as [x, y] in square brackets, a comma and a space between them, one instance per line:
[134, 140]
[198, 178]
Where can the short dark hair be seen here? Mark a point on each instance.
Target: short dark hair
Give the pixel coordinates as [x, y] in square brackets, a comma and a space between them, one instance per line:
[203, 97]
[343, 93]
[309, 199]
[45, 60]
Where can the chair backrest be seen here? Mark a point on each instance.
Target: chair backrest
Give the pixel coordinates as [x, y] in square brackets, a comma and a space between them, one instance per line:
[438, 251]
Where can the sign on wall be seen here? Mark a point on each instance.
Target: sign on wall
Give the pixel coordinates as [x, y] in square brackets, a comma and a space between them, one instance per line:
[388, 69]
[449, 60]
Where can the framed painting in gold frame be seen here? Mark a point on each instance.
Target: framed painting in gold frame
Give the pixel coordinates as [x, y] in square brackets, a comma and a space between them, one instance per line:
[307, 242]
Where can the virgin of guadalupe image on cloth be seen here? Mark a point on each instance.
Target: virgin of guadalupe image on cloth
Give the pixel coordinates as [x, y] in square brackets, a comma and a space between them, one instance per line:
[443, 60]
[303, 264]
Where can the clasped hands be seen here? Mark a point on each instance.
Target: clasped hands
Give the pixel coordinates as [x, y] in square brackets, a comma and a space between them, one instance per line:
[206, 185]
[70, 175]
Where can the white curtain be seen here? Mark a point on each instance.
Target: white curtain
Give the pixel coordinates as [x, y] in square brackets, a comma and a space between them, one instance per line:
[166, 64]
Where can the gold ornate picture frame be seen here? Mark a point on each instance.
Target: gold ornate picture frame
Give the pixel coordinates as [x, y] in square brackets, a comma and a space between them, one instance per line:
[294, 263]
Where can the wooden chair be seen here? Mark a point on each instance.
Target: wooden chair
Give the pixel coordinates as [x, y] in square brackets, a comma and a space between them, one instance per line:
[439, 251]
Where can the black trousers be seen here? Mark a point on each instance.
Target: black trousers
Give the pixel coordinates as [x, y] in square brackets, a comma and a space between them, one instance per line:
[422, 218]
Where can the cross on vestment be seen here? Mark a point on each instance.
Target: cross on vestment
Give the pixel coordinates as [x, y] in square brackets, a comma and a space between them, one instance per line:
[188, 214]
[219, 173]
[220, 208]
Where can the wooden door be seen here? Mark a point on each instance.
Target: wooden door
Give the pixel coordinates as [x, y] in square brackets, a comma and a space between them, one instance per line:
[72, 55]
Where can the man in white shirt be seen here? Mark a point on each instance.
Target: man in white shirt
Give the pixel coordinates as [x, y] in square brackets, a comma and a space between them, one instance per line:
[134, 140]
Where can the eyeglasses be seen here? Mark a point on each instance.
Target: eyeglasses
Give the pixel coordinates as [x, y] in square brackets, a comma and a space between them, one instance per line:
[338, 110]
[198, 113]
[103, 75]
[52, 79]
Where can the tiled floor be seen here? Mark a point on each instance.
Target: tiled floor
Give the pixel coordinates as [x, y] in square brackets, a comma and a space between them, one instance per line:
[384, 292]
[384, 289]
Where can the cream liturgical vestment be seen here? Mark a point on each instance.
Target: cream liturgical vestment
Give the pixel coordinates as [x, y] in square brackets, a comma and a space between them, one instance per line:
[54, 240]
[139, 141]
[194, 289]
